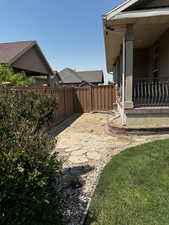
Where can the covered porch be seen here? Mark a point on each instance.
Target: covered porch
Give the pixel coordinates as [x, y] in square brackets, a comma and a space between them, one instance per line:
[142, 68]
[137, 51]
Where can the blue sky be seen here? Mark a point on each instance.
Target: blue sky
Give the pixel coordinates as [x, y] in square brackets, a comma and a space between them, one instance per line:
[69, 32]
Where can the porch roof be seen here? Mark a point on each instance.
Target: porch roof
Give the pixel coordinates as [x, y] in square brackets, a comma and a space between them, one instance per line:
[120, 8]
[157, 15]
[149, 25]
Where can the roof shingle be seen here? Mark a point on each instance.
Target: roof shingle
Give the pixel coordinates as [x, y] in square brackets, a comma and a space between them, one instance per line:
[69, 76]
[91, 76]
[10, 50]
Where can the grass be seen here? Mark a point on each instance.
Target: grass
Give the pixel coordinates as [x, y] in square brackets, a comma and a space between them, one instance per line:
[134, 188]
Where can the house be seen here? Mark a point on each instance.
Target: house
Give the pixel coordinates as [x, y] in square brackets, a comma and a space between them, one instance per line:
[69, 77]
[137, 52]
[43, 81]
[56, 79]
[27, 56]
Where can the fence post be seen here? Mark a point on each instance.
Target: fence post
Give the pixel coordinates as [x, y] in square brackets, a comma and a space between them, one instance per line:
[91, 97]
[74, 99]
[64, 99]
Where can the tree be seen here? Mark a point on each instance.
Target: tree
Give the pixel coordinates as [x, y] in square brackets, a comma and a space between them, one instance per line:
[7, 74]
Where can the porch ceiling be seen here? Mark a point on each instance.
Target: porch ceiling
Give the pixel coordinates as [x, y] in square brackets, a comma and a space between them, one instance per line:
[144, 36]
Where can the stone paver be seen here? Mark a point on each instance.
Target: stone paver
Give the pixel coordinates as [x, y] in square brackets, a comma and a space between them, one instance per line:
[87, 146]
[86, 139]
[93, 155]
[77, 159]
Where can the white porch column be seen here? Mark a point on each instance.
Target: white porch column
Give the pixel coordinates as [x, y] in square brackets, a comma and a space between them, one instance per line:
[129, 45]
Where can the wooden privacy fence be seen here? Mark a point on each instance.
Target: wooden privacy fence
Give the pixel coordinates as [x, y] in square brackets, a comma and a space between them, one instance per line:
[89, 99]
[64, 96]
[77, 100]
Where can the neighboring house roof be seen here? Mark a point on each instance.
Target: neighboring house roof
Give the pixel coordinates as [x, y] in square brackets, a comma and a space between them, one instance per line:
[91, 76]
[10, 51]
[85, 83]
[13, 51]
[69, 76]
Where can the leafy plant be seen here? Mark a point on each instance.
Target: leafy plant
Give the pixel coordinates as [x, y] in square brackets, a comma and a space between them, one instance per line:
[28, 170]
[7, 74]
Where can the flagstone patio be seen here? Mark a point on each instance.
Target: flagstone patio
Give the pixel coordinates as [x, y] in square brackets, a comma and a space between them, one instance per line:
[86, 144]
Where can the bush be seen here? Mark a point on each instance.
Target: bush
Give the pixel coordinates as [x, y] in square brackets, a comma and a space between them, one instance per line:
[28, 170]
[7, 74]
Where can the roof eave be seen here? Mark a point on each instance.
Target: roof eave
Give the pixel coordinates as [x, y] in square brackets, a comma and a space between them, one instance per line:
[142, 14]
[44, 58]
[119, 8]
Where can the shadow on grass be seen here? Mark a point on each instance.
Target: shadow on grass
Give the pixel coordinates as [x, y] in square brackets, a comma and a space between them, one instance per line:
[90, 218]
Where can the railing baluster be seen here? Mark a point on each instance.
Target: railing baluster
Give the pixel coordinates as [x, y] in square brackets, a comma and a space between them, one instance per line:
[158, 93]
[163, 92]
[166, 88]
[151, 91]
[146, 93]
[142, 92]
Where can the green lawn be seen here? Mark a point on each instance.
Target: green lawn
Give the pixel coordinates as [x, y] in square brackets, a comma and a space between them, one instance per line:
[134, 188]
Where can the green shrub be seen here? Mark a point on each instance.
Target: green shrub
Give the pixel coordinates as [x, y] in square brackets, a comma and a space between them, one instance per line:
[7, 74]
[28, 170]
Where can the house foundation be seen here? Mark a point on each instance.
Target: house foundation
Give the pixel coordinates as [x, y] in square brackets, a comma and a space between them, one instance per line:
[147, 117]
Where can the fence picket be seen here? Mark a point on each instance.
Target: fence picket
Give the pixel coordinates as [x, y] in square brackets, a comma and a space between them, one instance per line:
[75, 100]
